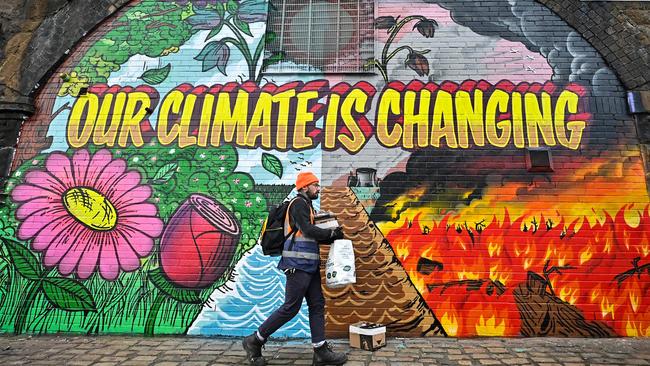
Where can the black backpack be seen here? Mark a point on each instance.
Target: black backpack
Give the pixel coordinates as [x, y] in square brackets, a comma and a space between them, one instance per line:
[272, 236]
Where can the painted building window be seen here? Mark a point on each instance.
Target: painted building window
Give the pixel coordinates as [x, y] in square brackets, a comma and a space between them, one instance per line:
[320, 36]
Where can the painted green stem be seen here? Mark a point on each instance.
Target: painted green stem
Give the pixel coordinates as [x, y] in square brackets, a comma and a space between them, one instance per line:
[394, 33]
[392, 54]
[256, 56]
[23, 311]
[382, 66]
[382, 70]
[243, 47]
[150, 324]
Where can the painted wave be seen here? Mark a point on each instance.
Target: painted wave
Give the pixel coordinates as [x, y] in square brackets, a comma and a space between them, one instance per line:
[258, 289]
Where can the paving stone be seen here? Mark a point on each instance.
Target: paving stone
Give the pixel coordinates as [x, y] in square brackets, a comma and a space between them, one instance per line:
[170, 351]
[350, 363]
[486, 361]
[113, 359]
[143, 359]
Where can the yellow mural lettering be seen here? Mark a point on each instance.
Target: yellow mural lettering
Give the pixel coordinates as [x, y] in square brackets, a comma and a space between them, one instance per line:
[517, 121]
[260, 126]
[134, 113]
[443, 120]
[230, 120]
[102, 136]
[406, 117]
[85, 109]
[469, 117]
[539, 119]
[498, 100]
[419, 118]
[170, 105]
[283, 100]
[355, 99]
[184, 138]
[389, 104]
[331, 121]
[206, 116]
[303, 116]
[568, 101]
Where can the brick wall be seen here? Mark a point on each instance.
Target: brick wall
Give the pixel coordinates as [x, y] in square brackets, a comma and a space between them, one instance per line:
[487, 173]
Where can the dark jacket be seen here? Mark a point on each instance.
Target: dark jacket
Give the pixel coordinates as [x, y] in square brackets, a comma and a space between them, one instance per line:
[301, 249]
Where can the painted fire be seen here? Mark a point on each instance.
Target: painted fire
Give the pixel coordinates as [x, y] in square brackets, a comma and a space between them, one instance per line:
[589, 279]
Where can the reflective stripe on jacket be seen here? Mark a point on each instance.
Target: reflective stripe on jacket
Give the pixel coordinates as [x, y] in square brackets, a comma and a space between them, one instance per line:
[304, 253]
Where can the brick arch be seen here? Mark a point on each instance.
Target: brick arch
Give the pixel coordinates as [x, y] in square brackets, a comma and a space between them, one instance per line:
[58, 33]
[614, 30]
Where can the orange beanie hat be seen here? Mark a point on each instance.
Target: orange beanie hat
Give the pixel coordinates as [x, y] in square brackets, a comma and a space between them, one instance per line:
[304, 179]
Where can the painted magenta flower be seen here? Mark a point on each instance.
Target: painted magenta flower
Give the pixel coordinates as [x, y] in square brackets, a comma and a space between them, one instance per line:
[86, 213]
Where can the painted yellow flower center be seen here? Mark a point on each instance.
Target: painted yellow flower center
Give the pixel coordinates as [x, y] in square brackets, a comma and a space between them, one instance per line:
[91, 208]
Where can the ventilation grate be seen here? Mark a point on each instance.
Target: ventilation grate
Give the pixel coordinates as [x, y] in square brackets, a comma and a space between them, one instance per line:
[335, 36]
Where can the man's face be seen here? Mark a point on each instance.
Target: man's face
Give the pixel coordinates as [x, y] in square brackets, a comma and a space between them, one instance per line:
[313, 190]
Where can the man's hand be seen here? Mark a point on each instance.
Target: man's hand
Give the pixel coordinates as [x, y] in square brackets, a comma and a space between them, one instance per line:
[337, 234]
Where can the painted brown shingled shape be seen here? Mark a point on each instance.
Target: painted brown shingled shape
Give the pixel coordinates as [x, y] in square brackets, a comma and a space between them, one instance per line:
[383, 292]
[545, 315]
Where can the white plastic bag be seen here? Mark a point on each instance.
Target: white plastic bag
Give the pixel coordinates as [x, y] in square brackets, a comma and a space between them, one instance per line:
[339, 270]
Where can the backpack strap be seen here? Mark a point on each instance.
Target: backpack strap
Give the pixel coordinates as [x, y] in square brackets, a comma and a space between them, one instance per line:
[292, 231]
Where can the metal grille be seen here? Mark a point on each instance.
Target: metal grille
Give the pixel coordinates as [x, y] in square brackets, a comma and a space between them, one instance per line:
[320, 36]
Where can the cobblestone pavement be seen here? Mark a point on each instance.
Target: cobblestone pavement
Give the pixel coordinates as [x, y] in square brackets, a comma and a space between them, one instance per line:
[128, 350]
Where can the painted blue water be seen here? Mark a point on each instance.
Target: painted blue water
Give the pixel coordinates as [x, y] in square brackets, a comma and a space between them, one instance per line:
[258, 289]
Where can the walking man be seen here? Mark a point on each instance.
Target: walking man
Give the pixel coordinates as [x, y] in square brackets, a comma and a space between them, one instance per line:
[300, 262]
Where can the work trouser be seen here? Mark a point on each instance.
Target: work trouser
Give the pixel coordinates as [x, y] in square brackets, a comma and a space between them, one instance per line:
[300, 284]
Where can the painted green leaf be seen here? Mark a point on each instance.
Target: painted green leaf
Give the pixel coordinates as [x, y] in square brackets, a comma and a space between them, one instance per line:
[221, 10]
[68, 294]
[156, 76]
[214, 31]
[187, 296]
[232, 6]
[243, 26]
[272, 164]
[165, 173]
[23, 259]
[273, 59]
[269, 37]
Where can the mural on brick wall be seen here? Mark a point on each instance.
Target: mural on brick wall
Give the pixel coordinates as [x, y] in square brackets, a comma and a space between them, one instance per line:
[142, 182]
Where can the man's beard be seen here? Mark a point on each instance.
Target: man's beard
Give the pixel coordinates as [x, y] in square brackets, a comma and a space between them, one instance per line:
[312, 196]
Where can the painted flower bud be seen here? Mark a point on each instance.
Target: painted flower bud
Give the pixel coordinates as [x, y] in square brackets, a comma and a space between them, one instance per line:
[385, 22]
[251, 11]
[198, 243]
[418, 63]
[214, 54]
[426, 27]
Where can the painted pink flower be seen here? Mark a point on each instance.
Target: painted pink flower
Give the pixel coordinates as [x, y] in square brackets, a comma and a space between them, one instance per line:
[87, 212]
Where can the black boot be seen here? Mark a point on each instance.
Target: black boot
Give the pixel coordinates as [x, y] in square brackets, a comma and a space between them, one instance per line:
[324, 355]
[253, 347]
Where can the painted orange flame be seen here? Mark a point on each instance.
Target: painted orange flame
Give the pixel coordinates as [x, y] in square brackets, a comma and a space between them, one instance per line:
[467, 274]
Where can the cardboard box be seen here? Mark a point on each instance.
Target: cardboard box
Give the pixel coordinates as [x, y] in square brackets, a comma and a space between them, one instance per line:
[367, 336]
[325, 220]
